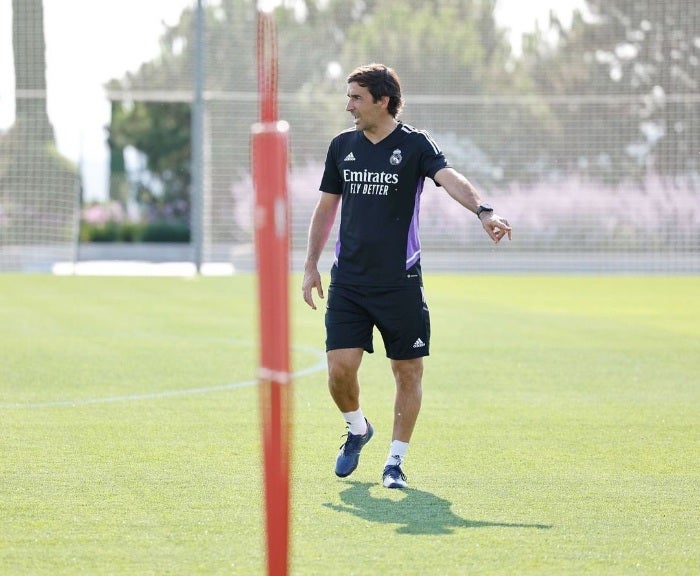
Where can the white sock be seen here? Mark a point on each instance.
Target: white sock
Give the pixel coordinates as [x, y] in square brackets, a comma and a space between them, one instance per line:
[356, 422]
[397, 453]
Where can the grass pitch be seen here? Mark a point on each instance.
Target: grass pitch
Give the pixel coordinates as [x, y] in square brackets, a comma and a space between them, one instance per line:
[559, 432]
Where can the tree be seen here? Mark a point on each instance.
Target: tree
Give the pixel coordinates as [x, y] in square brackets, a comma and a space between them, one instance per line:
[231, 107]
[626, 80]
[161, 131]
[230, 30]
[654, 52]
[468, 70]
[37, 185]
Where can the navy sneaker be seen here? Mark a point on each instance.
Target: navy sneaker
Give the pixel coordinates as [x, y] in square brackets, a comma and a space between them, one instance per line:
[393, 477]
[349, 454]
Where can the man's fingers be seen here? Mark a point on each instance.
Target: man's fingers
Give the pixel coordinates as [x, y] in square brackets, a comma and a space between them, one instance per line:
[499, 229]
[308, 296]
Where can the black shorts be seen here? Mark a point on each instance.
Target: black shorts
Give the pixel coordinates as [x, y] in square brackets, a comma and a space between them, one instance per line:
[400, 314]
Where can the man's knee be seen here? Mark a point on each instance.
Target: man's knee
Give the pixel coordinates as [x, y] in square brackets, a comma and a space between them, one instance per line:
[408, 372]
[343, 365]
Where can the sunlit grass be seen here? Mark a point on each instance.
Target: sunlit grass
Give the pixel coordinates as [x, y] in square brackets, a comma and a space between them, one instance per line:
[558, 433]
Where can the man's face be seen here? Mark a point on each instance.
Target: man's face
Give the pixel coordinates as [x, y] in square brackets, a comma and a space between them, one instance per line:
[367, 114]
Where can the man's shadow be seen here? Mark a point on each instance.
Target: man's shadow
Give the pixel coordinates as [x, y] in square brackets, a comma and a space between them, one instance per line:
[418, 512]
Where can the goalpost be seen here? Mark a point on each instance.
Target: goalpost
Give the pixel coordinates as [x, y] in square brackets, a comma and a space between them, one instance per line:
[269, 169]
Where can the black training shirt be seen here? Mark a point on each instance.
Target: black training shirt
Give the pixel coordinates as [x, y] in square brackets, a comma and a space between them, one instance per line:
[381, 185]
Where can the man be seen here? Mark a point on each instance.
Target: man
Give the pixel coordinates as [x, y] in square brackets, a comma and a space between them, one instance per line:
[377, 169]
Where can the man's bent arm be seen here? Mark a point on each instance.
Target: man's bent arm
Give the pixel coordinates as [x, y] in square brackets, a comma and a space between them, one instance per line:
[457, 186]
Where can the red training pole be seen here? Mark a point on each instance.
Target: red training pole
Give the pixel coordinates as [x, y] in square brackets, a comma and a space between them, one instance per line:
[269, 151]
[269, 159]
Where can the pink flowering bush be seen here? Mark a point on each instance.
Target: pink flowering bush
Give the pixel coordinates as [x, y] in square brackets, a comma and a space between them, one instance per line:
[566, 216]
[109, 222]
[101, 213]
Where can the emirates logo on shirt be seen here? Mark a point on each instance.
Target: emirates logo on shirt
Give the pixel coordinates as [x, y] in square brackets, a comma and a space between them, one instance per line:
[396, 158]
[368, 182]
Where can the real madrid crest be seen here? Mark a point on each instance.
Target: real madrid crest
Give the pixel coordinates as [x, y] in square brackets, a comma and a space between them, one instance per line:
[395, 159]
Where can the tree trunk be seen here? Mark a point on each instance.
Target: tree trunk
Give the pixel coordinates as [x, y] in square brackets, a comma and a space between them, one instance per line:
[30, 68]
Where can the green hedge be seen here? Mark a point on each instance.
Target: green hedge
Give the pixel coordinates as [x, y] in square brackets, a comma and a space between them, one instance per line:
[134, 232]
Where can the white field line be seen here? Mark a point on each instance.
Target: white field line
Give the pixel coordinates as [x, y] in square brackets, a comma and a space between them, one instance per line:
[317, 367]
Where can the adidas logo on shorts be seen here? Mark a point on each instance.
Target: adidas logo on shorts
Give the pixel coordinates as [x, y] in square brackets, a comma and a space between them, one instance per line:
[419, 343]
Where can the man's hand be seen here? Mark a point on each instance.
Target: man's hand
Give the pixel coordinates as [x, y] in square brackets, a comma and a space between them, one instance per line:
[496, 226]
[312, 279]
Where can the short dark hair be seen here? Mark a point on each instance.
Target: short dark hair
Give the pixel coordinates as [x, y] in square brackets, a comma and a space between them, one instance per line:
[381, 81]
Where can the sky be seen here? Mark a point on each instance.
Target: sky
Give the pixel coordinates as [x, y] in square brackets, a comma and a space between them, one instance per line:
[116, 36]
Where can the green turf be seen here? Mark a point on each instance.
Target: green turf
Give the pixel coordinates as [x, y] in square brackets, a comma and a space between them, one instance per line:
[559, 432]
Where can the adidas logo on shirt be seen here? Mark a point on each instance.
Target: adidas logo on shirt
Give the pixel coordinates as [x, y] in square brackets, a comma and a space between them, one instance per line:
[349, 158]
[419, 343]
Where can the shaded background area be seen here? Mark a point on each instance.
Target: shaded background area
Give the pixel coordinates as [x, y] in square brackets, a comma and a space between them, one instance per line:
[583, 131]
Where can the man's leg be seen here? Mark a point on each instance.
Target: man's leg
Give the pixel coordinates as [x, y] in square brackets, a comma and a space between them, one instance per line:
[343, 383]
[344, 386]
[409, 394]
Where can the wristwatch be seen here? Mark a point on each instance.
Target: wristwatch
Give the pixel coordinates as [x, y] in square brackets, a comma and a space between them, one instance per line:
[483, 208]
